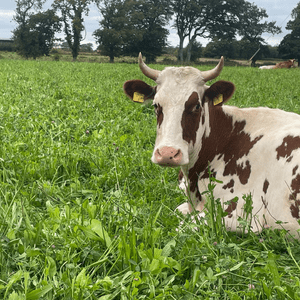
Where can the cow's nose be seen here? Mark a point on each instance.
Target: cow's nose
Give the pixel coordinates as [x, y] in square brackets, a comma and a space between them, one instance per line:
[168, 156]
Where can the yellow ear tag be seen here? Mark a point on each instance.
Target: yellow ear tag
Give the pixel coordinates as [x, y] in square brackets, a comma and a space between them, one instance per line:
[137, 97]
[218, 99]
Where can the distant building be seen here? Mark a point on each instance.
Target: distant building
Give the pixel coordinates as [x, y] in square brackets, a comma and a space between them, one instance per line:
[6, 45]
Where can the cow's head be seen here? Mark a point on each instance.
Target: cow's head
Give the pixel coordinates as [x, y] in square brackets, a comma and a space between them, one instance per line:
[182, 102]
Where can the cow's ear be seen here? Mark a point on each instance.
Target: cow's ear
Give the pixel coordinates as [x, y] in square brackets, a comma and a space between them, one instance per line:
[219, 93]
[139, 91]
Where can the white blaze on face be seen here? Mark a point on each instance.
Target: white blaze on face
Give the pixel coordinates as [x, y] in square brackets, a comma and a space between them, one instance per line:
[174, 88]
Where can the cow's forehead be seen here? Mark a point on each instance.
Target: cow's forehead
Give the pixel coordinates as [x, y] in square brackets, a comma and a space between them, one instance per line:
[176, 84]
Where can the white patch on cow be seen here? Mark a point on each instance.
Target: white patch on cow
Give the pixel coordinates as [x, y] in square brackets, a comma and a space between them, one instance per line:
[267, 67]
[206, 122]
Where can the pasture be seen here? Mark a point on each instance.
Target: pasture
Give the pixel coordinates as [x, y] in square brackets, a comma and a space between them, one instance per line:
[84, 214]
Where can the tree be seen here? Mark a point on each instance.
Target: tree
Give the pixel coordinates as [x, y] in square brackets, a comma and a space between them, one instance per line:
[156, 14]
[86, 47]
[220, 47]
[113, 29]
[195, 51]
[147, 32]
[72, 12]
[186, 15]
[21, 34]
[290, 45]
[45, 25]
[132, 26]
[199, 18]
[35, 34]
[251, 29]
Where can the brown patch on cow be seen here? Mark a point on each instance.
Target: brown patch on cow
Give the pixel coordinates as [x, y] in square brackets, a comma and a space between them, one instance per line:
[285, 64]
[159, 115]
[227, 139]
[266, 185]
[229, 185]
[295, 169]
[242, 171]
[191, 118]
[295, 187]
[295, 209]
[231, 207]
[180, 176]
[289, 144]
[232, 191]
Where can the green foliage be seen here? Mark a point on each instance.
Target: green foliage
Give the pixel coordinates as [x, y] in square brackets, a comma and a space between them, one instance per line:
[34, 35]
[84, 214]
[221, 21]
[115, 27]
[289, 47]
[129, 27]
[72, 12]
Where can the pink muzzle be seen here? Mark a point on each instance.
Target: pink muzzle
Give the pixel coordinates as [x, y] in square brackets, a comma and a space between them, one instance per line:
[168, 156]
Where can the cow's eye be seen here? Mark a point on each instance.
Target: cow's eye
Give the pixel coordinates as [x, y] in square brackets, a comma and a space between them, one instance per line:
[196, 108]
[155, 106]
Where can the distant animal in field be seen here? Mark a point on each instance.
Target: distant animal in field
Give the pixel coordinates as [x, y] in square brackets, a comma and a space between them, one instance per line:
[285, 64]
[252, 151]
[281, 65]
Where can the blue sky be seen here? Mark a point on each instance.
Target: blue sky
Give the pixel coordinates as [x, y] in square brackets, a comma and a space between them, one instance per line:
[277, 10]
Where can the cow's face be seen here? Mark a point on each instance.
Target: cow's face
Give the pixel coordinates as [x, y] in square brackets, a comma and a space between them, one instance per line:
[182, 102]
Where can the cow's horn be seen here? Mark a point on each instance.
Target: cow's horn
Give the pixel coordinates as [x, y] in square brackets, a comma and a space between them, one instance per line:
[215, 72]
[151, 73]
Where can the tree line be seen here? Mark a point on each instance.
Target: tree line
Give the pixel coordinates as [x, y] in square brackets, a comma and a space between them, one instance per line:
[128, 27]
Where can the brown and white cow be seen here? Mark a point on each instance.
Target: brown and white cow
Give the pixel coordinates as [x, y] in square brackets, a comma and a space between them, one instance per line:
[281, 65]
[251, 150]
[285, 64]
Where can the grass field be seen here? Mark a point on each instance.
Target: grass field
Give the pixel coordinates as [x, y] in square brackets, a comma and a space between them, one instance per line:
[84, 214]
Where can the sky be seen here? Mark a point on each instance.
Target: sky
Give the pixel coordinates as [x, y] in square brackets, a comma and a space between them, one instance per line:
[277, 10]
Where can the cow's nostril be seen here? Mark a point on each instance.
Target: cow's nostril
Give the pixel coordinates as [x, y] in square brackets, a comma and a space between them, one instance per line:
[177, 154]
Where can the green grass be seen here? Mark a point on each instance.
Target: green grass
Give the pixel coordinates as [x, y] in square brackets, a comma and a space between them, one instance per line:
[84, 214]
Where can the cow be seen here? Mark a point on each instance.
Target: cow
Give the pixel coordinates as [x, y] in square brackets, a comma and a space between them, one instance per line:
[281, 65]
[285, 64]
[267, 67]
[252, 151]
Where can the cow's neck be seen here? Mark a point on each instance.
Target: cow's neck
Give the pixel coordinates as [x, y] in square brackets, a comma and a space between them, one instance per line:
[225, 139]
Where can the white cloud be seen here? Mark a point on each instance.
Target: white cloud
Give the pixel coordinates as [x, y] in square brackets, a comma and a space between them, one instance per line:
[6, 14]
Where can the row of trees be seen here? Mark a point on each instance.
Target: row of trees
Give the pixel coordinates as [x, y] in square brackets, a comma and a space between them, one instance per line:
[130, 26]
[142, 25]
